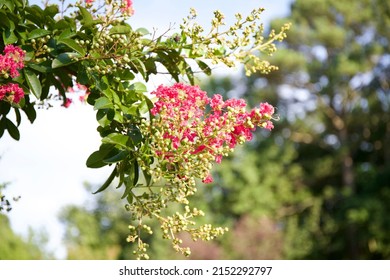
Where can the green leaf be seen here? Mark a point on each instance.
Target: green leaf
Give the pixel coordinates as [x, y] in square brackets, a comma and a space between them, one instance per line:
[9, 4]
[143, 107]
[142, 31]
[120, 29]
[135, 135]
[138, 87]
[205, 68]
[103, 103]
[12, 129]
[18, 116]
[87, 17]
[117, 158]
[40, 67]
[116, 139]
[67, 33]
[30, 111]
[9, 37]
[95, 160]
[33, 82]
[73, 45]
[38, 33]
[51, 10]
[64, 59]
[148, 177]
[107, 182]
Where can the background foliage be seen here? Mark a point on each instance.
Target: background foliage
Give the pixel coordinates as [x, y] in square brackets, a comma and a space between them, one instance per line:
[318, 186]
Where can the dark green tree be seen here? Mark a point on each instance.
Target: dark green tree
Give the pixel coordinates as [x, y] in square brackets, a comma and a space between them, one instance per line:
[333, 98]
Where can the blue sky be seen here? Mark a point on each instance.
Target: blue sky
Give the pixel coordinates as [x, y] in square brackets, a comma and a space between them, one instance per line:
[47, 166]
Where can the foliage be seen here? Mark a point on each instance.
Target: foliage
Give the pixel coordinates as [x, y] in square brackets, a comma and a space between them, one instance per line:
[96, 48]
[14, 247]
[328, 191]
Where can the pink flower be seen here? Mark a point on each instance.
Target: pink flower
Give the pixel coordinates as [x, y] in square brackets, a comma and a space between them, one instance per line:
[191, 131]
[67, 102]
[11, 92]
[89, 1]
[127, 7]
[208, 179]
[12, 61]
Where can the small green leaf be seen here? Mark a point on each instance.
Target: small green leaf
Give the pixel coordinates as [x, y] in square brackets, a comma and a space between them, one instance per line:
[87, 17]
[148, 177]
[64, 59]
[102, 103]
[143, 107]
[142, 31]
[116, 139]
[138, 87]
[107, 182]
[38, 33]
[9, 37]
[73, 45]
[67, 33]
[9, 4]
[12, 129]
[205, 68]
[120, 29]
[33, 82]
[51, 10]
[135, 135]
[18, 116]
[117, 158]
[95, 160]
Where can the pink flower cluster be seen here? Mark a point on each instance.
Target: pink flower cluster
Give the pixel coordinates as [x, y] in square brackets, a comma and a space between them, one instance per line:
[127, 7]
[12, 61]
[12, 92]
[191, 126]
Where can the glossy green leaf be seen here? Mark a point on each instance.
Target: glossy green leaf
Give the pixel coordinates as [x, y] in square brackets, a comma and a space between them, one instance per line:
[135, 135]
[66, 34]
[73, 45]
[138, 87]
[120, 29]
[87, 17]
[107, 182]
[148, 177]
[38, 33]
[116, 139]
[142, 31]
[205, 68]
[117, 158]
[18, 116]
[9, 4]
[9, 37]
[12, 129]
[64, 59]
[103, 103]
[143, 107]
[33, 82]
[51, 10]
[95, 160]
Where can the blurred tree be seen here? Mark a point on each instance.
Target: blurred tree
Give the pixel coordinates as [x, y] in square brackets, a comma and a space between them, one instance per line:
[326, 184]
[14, 247]
[341, 128]
[98, 229]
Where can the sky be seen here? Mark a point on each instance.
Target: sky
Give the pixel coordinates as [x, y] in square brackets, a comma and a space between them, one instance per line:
[47, 166]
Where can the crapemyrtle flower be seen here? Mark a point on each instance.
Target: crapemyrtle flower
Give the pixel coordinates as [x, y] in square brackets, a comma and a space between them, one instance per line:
[189, 131]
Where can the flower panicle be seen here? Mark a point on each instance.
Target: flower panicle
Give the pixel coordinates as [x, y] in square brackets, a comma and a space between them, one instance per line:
[196, 131]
